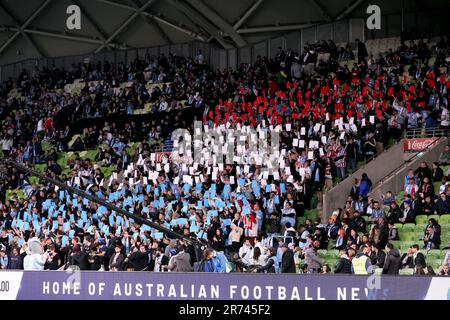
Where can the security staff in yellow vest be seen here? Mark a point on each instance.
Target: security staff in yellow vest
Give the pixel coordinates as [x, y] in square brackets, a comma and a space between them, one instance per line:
[361, 262]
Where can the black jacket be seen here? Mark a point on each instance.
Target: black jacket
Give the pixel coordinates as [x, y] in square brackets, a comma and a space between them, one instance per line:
[80, 259]
[392, 263]
[138, 260]
[378, 258]
[287, 262]
[420, 260]
[343, 265]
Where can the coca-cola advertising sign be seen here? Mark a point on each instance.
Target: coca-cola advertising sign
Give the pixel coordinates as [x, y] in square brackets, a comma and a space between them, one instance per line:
[417, 144]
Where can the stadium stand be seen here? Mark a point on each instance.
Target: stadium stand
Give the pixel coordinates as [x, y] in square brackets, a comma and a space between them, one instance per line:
[107, 129]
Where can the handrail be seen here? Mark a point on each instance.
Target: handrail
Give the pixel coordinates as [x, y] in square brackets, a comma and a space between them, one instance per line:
[424, 133]
[416, 156]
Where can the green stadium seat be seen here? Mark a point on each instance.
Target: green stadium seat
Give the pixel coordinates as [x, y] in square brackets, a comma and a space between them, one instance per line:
[396, 243]
[420, 228]
[408, 227]
[366, 218]
[436, 263]
[433, 254]
[406, 244]
[378, 271]
[444, 219]
[399, 226]
[406, 272]
[301, 220]
[333, 254]
[322, 253]
[421, 219]
[444, 253]
[408, 236]
[331, 244]
[434, 216]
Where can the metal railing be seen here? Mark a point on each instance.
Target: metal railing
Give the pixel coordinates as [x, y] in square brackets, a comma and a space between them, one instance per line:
[425, 133]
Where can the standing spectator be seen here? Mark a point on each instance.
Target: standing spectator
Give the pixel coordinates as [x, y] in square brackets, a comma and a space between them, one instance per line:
[3, 258]
[181, 262]
[116, 262]
[272, 265]
[377, 256]
[365, 186]
[138, 259]
[312, 258]
[343, 265]
[287, 260]
[418, 258]
[393, 261]
[361, 51]
[53, 260]
[15, 260]
[79, 258]
[361, 263]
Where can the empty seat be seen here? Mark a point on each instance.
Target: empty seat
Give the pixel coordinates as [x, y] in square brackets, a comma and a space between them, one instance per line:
[406, 272]
[421, 219]
[434, 216]
[433, 254]
[444, 219]
[409, 227]
[323, 253]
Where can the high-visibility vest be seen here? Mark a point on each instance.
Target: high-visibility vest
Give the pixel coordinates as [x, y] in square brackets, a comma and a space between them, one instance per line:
[359, 264]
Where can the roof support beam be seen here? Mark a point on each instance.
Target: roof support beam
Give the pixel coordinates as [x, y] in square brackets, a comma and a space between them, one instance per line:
[25, 24]
[124, 25]
[64, 36]
[247, 14]
[276, 28]
[92, 20]
[320, 9]
[200, 20]
[151, 22]
[219, 21]
[349, 9]
[26, 36]
[155, 17]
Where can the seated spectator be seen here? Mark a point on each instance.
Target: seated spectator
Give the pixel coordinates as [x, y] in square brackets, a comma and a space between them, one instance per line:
[408, 215]
[411, 188]
[437, 173]
[418, 259]
[407, 259]
[445, 271]
[442, 205]
[432, 239]
[444, 157]
[377, 212]
[394, 213]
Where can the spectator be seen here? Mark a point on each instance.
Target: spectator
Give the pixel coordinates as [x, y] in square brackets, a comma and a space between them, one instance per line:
[272, 265]
[181, 262]
[3, 258]
[116, 262]
[418, 259]
[445, 270]
[15, 261]
[377, 256]
[407, 259]
[432, 239]
[408, 215]
[444, 157]
[312, 258]
[287, 260]
[393, 261]
[78, 258]
[138, 260]
[365, 186]
[325, 269]
[344, 264]
[54, 261]
[393, 232]
[361, 263]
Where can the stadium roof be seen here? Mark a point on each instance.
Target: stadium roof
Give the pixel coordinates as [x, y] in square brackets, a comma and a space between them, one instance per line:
[38, 29]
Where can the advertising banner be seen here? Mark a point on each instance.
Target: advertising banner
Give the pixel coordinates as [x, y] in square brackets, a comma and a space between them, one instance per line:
[417, 144]
[86, 285]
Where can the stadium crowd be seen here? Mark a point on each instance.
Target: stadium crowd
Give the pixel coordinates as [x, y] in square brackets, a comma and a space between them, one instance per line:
[330, 115]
